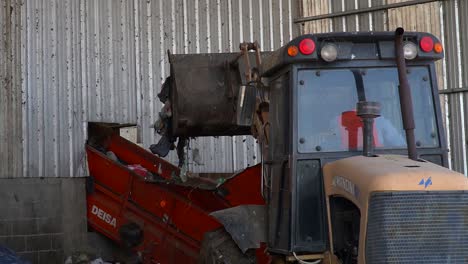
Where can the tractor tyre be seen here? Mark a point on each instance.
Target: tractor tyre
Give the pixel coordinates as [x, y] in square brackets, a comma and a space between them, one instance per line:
[218, 247]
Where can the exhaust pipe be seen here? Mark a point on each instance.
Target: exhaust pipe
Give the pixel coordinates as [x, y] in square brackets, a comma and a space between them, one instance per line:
[368, 111]
[406, 102]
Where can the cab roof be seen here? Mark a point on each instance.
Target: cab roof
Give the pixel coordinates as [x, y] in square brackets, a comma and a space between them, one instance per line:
[350, 46]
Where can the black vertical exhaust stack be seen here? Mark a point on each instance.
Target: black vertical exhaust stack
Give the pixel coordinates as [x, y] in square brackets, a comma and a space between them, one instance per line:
[368, 111]
[406, 102]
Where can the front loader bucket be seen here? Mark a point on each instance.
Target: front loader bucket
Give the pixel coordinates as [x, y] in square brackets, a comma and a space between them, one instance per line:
[204, 93]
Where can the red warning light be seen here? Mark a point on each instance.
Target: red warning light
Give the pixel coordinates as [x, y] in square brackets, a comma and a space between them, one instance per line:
[307, 46]
[426, 44]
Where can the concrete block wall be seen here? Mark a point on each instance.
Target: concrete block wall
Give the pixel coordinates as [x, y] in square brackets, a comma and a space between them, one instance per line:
[43, 220]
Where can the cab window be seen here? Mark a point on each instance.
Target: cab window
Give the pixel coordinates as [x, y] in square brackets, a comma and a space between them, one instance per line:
[327, 100]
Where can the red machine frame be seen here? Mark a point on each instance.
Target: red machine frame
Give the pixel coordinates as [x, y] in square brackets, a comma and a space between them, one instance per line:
[173, 218]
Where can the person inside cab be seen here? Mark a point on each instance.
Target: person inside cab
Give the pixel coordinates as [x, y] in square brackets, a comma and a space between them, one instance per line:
[327, 114]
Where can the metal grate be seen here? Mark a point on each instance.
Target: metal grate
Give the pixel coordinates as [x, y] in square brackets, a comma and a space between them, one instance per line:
[417, 227]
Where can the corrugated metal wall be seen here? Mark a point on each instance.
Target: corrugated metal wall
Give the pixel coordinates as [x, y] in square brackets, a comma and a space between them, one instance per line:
[55, 94]
[455, 17]
[10, 89]
[104, 60]
[446, 19]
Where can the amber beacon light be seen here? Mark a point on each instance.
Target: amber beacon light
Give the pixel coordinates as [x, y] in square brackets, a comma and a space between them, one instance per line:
[293, 51]
[438, 48]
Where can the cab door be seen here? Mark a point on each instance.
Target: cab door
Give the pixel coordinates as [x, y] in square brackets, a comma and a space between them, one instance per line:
[277, 168]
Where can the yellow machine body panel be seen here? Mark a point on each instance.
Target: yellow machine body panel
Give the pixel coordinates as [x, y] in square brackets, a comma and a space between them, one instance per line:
[357, 178]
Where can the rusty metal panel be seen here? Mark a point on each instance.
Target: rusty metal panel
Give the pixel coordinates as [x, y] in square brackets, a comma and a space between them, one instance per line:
[105, 60]
[10, 90]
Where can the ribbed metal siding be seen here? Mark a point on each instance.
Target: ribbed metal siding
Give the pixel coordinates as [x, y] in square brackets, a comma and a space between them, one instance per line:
[315, 8]
[456, 52]
[56, 93]
[446, 19]
[362, 22]
[10, 89]
[104, 60]
[417, 227]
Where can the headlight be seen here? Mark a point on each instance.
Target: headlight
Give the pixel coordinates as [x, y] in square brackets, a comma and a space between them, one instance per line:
[329, 52]
[410, 50]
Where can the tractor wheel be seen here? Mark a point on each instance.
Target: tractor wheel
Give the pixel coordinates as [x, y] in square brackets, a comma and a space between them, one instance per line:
[218, 247]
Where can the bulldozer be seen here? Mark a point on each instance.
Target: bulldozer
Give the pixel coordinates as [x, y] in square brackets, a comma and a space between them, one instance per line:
[353, 168]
